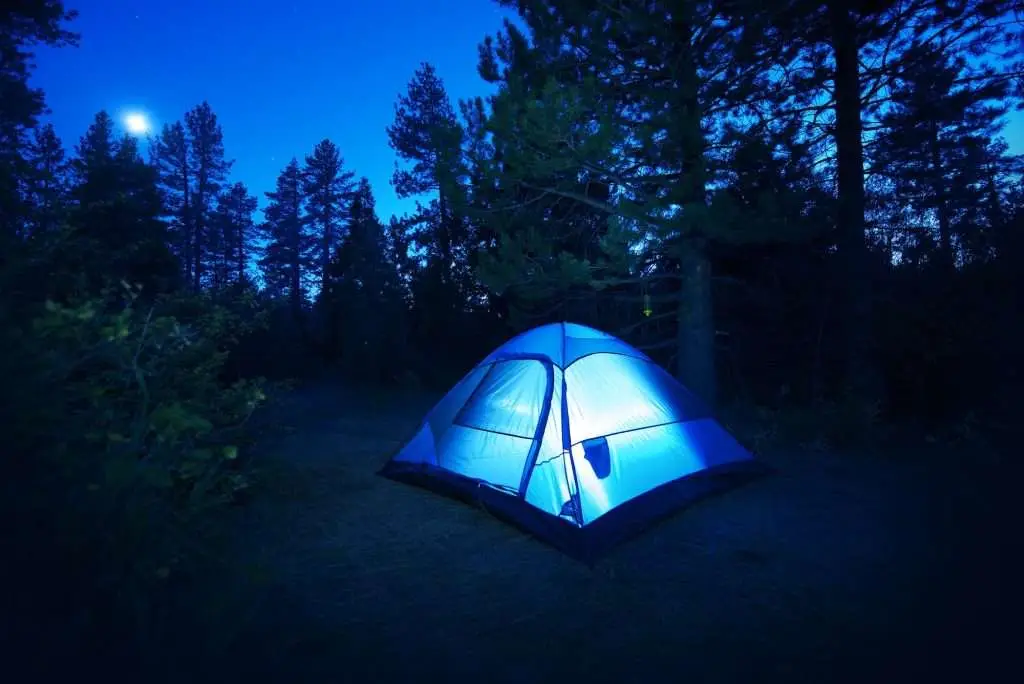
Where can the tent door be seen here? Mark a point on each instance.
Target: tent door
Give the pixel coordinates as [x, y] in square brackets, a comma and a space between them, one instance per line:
[513, 398]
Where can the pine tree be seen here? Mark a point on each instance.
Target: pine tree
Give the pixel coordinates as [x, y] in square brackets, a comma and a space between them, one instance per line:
[210, 170]
[327, 186]
[285, 262]
[427, 134]
[171, 156]
[47, 183]
[845, 58]
[362, 297]
[236, 229]
[937, 141]
[779, 209]
[629, 98]
[117, 212]
[398, 244]
[23, 25]
[94, 152]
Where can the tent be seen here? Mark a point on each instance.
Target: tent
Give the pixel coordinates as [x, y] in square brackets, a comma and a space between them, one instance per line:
[575, 436]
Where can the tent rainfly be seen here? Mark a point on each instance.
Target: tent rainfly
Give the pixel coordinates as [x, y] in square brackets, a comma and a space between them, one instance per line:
[576, 437]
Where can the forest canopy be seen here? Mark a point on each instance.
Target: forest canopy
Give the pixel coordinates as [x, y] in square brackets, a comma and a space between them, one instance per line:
[793, 201]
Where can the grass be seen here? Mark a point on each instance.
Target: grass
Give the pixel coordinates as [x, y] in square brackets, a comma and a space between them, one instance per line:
[834, 569]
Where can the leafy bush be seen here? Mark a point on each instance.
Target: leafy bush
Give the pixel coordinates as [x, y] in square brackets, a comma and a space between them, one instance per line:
[128, 438]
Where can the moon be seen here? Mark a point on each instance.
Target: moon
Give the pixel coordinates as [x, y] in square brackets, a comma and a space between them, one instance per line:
[136, 123]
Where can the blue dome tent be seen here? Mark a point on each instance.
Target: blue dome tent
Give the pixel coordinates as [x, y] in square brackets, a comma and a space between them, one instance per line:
[575, 436]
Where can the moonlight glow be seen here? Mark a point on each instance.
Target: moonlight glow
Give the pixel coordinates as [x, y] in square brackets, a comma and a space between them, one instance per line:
[136, 123]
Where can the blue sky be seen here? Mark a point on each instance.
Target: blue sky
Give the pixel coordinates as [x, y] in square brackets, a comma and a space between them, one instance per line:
[280, 76]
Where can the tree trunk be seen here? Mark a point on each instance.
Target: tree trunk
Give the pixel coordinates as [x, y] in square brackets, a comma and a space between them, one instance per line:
[241, 249]
[695, 335]
[444, 238]
[325, 255]
[186, 225]
[295, 272]
[197, 250]
[946, 261]
[202, 202]
[855, 286]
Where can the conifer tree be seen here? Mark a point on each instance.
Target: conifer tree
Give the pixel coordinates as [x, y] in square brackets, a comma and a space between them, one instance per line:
[846, 57]
[47, 182]
[627, 101]
[210, 170]
[285, 263]
[938, 139]
[117, 211]
[23, 26]
[427, 134]
[362, 298]
[327, 186]
[172, 159]
[236, 234]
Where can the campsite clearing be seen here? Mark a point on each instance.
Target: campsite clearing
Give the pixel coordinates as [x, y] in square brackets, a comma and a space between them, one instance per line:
[867, 567]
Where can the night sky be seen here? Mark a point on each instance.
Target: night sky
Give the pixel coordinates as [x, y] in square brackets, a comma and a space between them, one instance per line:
[281, 76]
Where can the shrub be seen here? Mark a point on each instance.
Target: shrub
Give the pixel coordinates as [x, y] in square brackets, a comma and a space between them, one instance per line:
[128, 439]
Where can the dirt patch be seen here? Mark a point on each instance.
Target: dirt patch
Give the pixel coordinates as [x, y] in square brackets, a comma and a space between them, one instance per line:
[834, 568]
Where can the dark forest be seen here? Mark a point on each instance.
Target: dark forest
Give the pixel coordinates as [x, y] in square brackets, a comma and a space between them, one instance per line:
[804, 210]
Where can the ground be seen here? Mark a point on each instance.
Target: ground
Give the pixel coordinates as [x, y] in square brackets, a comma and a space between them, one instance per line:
[836, 568]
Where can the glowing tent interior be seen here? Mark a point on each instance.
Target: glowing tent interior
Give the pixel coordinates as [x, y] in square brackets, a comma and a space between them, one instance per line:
[575, 436]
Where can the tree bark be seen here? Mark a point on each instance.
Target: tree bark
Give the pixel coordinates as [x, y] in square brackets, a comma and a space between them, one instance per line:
[855, 286]
[941, 203]
[241, 249]
[695, 333]
[444, 237]
[199, 235]
[186, 224]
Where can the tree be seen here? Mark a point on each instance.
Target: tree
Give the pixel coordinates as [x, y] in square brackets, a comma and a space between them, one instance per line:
[47, 181]
[631, 97]
[210, 169]
[398, 245]
[936, 145]
[285, 262]
[172, 159]
[426, 133]
[775, 291]
[29, 23]
[362, 297]
[536, 252]
[117, 213]
[235, 229]
[327, 186]
[845, 60]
